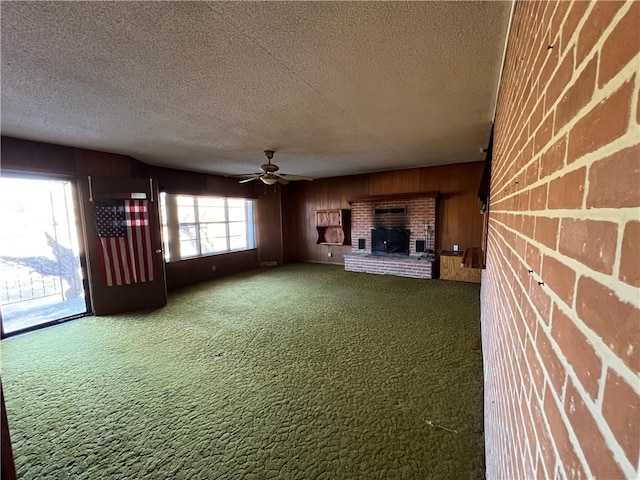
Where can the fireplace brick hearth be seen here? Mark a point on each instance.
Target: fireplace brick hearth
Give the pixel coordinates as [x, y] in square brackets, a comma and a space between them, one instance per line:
[415, 214]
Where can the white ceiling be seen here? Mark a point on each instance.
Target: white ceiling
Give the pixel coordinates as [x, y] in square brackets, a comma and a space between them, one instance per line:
[335, 88]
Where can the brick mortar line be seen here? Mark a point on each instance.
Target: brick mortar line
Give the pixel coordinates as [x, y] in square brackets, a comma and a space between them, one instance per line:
[599, 94]
[532, 337]
[572, 436]
[520, 377]
[596, 413]
[536, 87]
[629, 292]
[503, 95]
[610, 439]
[601, 386]
[608, 357]
[492, 286]
[625, 214]
[630, 139]
[543, 88]
[538, 316]
[604, 36]
[617, 258]
[540, 400]
[515, 368]
[547, 332]
[618, 366]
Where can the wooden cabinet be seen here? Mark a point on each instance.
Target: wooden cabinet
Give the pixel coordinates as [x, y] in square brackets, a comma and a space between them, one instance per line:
[330, 218]
[451, 269]
[334, 226]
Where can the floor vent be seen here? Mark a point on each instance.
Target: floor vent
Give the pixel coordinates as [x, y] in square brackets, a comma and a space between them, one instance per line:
[268, 264]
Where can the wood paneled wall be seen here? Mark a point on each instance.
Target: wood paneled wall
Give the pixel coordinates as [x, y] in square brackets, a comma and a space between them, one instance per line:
[285, 216]
[198, 269]
[172, 180]
[458, 212]
[37, 157]
[269, 222]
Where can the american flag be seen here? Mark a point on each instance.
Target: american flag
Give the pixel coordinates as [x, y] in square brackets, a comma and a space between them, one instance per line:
[125, 241]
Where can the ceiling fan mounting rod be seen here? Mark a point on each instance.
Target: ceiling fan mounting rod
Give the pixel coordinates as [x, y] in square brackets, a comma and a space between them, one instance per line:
[269, 175]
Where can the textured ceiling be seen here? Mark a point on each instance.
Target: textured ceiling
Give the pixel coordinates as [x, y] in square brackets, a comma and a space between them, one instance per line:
[335, 88]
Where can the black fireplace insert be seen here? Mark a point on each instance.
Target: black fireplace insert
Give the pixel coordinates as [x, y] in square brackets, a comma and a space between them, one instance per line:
[385, 241]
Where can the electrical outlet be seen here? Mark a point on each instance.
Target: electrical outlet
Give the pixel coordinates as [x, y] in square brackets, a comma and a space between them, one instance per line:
[330, 254]
[213, 268]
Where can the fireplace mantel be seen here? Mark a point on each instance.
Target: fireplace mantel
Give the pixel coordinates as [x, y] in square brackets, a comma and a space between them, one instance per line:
[393, 196]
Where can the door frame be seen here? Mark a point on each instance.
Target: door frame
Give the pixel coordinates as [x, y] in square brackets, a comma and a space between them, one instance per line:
[74, 181]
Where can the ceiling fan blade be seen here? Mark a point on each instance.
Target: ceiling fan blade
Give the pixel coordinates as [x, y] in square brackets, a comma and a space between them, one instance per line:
[246, 175]
[295, 177]
[282, 181]
[249, 180]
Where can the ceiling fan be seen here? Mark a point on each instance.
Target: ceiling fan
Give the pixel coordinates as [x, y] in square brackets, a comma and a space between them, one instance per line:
[269, 175]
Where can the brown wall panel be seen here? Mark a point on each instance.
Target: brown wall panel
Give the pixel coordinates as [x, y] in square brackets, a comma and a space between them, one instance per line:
[30, 156]
[180, 181]
[406, 181]
[458, 217]
[37, 157]
[285, 214]
[300, 202]
[229, 187]
[101, 164]
[199, 269]
[269, 223]
[177, 181]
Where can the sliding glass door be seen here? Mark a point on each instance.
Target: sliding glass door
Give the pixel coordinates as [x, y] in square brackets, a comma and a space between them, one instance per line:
[41, 277]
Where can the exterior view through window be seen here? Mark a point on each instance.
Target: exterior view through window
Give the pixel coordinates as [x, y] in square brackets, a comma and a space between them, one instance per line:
[40, 272]
[196, 226]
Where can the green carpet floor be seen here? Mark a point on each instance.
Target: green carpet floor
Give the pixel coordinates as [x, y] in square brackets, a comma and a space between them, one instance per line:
[304, 371]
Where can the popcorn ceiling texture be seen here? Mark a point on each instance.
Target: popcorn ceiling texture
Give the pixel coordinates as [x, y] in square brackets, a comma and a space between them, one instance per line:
[304, 371]
[335, 87]
[562, 358]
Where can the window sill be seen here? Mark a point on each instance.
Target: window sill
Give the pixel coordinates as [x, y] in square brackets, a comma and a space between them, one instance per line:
[210, 255]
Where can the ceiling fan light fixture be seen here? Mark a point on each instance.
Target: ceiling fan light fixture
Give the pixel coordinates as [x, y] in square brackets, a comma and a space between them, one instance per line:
[269, 175]
[269, 179]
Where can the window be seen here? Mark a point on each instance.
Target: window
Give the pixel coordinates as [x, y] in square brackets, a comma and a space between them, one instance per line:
[196, 226]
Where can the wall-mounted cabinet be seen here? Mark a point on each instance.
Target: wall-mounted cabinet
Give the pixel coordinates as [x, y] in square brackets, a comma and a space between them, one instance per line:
[334, 227]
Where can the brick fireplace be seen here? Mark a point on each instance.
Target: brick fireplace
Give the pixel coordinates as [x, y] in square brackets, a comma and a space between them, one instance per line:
[414, 216]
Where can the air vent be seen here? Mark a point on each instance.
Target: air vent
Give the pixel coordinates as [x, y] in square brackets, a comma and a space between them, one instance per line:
[396, 210]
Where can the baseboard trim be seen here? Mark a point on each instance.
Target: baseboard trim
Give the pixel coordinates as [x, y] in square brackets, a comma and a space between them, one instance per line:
[322, 263]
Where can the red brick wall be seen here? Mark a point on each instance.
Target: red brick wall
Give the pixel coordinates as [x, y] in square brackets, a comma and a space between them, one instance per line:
[410, 267]
[421, 214]
[560, 295]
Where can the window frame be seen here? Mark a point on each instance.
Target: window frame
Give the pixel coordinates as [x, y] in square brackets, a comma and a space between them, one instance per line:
[171, 226]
